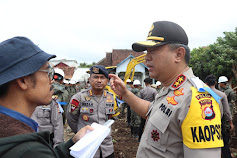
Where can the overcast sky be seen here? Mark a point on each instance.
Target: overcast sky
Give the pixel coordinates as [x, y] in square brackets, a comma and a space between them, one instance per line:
[84, 30]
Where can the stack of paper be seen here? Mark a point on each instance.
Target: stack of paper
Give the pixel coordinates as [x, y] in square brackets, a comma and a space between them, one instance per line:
[89, 144]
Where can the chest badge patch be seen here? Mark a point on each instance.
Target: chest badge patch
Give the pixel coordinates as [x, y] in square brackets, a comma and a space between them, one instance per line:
[179, 81]
[109, 99]
[207, 109]
[179, 92]
[155, 135]
[85, 117]
[74, 104]
[171, 100]
[87, 98]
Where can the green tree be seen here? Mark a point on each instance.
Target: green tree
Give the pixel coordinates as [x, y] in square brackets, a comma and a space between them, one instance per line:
[85, 65]
[219, 58]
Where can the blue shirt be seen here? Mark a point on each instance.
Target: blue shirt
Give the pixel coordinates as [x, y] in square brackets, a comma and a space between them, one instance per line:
[19, 116]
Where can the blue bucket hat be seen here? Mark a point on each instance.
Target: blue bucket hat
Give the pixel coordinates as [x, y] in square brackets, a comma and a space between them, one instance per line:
[20, 57]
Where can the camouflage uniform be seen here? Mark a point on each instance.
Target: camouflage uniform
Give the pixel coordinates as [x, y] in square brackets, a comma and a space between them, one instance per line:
[62, 96]
[231, 96]
[135, 118]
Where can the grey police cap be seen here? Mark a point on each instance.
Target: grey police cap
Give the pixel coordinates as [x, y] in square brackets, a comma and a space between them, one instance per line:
[19, 57]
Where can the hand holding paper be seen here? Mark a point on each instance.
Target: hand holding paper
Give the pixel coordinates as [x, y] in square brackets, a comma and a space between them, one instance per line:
[87, 146]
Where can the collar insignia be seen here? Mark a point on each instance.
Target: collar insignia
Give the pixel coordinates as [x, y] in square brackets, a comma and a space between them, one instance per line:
[179, 81]
[178, 92]
[171, 100]
[91, 93]
[105, 93]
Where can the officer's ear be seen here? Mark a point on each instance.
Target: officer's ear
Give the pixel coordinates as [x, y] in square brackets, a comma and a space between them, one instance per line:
[179, 54]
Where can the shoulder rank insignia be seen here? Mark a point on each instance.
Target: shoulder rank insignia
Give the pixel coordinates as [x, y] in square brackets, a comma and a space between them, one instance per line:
[179, 81]
[91, 93]
[178, 92]
[171, 100]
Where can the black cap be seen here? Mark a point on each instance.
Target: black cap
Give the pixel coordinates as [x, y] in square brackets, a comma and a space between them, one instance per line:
[99, 69]
[19, 57]
[161, 33]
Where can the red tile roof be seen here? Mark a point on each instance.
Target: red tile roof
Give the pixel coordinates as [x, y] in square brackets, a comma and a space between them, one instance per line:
[117, 56]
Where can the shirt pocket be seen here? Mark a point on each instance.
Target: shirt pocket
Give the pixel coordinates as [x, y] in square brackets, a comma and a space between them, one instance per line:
[44, 117]
[109, 111]
[157, 131]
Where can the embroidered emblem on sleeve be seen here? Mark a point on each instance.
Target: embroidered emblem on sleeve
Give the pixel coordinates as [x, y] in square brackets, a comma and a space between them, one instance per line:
[155, 135]
[74, 104]
[179, 92]
[85, 117]
[207, 109]
[179, 81]
[171, 100]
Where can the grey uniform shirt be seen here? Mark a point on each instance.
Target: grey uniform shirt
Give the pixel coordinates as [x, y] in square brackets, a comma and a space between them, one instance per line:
[148, 93]
[86, 108]
[49, 118]
[225, 105]
[162, 136]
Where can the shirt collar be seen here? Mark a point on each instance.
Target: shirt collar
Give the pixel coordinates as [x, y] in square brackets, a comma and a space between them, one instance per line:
[19, 116]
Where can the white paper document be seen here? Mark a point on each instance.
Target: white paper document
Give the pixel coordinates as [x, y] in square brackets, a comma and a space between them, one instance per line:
[87, 146]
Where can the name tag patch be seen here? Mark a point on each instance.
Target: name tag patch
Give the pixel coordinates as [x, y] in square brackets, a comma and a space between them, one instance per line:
[163, 108]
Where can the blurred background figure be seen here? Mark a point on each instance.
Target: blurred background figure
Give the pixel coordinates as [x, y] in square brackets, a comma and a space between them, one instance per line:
[60, 92]
[135, 118]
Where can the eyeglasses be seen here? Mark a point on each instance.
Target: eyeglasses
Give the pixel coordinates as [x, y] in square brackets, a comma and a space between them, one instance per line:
[50, 72]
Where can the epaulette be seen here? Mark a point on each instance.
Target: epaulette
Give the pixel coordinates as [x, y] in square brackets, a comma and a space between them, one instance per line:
[199, 85]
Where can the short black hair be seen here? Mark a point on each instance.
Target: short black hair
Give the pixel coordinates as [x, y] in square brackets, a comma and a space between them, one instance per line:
[148, 80]
[4, 89]
[210, 80]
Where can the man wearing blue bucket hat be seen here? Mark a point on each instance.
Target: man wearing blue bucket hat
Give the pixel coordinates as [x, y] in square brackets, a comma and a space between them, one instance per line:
[26, 82]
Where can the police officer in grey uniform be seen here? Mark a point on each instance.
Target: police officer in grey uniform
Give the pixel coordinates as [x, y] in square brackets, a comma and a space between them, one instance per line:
[49, 118]
[60, 92]
[93, 105]
[182, 114]
[148, 93]
[227, 124]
